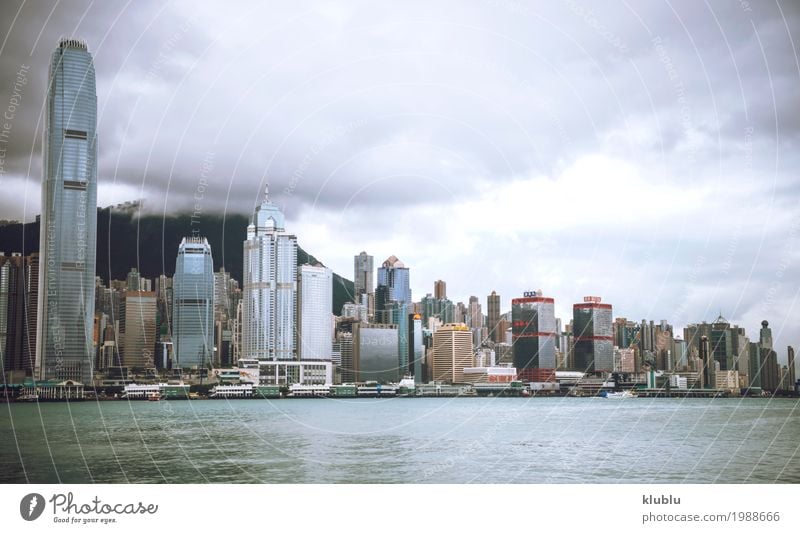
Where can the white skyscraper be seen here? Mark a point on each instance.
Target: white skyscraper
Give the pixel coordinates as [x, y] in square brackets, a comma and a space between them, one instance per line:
[269, 288]
[316, 318]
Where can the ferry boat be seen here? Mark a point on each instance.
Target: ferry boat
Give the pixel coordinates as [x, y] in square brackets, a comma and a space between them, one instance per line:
[28, 398]
[616, 395]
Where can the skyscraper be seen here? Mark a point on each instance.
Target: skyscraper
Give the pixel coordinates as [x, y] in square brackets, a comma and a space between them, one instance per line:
[770, 370]
[193, 304]
[68, 225]
[594, 336]
[533, 332]
[363, 270]
[269, 287]
[393, 278]
[393, 302]
[439, 289]
[315, 323]
[493, 317]
[452, 352]
[139, 330]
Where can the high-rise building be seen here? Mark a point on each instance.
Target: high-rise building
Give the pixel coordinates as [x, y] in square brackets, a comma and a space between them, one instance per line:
[452, 353]
[727, 342]
[18, 312]
[375, 349]
[394, 275]
[533, 333]
[68, 224]
[363, 270]
[394, 287]
[493, 317]
[439, 289]
[193, 304]
[416, 348]
[222, 302]
[139, 330]
[593, 343]
[315, 321]
[436, 308]
[269, 287]
[133, 279]
[770, 370]
[791, 367]
[393, 303]
[754, 374]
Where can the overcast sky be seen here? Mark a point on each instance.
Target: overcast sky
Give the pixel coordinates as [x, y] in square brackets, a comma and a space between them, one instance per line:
[646, 153]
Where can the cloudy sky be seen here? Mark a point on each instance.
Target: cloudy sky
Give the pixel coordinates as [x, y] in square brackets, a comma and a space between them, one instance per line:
[645, 152]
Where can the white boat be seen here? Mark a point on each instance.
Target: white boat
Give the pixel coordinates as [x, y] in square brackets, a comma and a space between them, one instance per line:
[617, 395]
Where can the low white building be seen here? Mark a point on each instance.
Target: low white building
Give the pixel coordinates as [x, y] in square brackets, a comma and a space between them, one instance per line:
[490, 374]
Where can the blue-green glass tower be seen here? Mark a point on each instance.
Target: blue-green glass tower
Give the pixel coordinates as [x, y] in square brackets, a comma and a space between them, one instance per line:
[68, 226]
[193, 304]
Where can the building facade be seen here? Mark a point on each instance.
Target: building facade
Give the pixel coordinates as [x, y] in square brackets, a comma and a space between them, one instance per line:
[193, 304]
[593, 343]
[363, 272]
[315, 321]
[68, 224]
[533, 332]
[493, 317]
[269, 287]
[375, 349]
[139, 330]
[452, 353]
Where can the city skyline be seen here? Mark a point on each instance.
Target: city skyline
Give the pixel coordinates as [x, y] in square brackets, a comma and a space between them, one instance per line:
[571, 226]
[660, 161]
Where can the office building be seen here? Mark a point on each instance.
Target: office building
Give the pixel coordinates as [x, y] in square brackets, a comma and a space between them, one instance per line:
[315, 321]
[19, 287]
[363, 271]
[452, 353]
[593, 343]
[139, 330]
[496, 334]
[68, 224]
[533, 333]
[728, 343]
[193, 304]
[269, 288]
[375, 348]
[416, 348]
[770, 370]
[439, 289]
[393, 303]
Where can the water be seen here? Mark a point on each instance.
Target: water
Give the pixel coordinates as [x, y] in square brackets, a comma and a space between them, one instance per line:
[419, 440]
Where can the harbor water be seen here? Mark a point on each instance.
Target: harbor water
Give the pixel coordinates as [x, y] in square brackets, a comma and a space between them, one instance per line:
[403, 440]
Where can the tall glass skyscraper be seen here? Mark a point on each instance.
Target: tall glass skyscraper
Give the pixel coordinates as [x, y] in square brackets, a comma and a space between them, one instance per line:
[193, 304]
[68, 227]
[392, 302]
[393, 276]
[269, 288]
